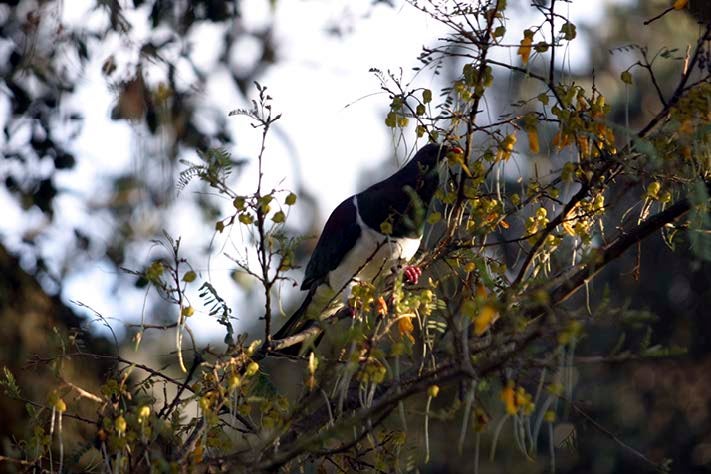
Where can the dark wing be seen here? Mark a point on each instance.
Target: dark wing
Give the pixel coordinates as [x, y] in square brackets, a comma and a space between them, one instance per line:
[339, 236]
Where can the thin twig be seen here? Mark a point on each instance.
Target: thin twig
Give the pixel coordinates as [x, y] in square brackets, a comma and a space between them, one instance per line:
[609, 434]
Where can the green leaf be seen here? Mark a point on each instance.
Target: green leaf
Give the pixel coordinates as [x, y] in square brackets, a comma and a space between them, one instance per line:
[239, 203]
[8, 383]
[469, 309]
[391, 120]
[626, 77]
[569, 31]
[189, 276]
[541, 47]
[434, 218]
[279, 217]
[154, 272]
[426, 96]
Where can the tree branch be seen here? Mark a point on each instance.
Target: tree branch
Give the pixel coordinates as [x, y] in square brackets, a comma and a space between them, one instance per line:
[566, 285]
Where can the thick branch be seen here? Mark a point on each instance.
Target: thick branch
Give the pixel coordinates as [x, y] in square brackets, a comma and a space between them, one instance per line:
[566, 285]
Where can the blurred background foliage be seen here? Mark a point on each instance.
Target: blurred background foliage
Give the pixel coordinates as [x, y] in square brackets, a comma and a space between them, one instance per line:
[45, 62]
[660, 407]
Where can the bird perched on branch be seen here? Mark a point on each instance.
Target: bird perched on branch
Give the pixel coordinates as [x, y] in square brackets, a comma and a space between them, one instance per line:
[365, 236]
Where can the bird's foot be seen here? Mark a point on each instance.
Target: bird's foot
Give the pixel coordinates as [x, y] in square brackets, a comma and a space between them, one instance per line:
[412, 274]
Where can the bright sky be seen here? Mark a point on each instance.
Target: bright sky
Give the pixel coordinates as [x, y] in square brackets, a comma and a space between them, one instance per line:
[320, 138]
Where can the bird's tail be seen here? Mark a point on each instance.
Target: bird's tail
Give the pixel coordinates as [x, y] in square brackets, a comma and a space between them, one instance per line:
[297, 323]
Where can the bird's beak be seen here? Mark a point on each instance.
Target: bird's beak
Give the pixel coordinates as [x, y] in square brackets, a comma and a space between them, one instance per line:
[456, 150]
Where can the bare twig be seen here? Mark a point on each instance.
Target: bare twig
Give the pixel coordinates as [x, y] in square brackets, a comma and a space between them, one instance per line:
[610, 435]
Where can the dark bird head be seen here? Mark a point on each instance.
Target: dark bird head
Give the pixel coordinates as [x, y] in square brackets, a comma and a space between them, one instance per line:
[421, 173]
[403, 198]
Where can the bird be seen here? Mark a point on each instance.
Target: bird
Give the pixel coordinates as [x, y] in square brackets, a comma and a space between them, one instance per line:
[365, 236]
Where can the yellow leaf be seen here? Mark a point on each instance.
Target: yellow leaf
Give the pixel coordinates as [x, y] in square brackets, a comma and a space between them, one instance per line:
[457, 158]
[197, 454]
[120, 424]
[252, 369]
[533, 141]
[313, 363]
[506, 147]
[583, 145]
[60, 405]
[570, 221]
[381, 306]
[653, 190]
[252, 348]
[486, 317]
[525, 49]
[524, 401]
[143, 413]
[234, 382]
[205, 403]
[568, 228]
[561, 140]
[509, 398]
[481, 292]
[405, 326]
[509, 142]
[679, 4]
